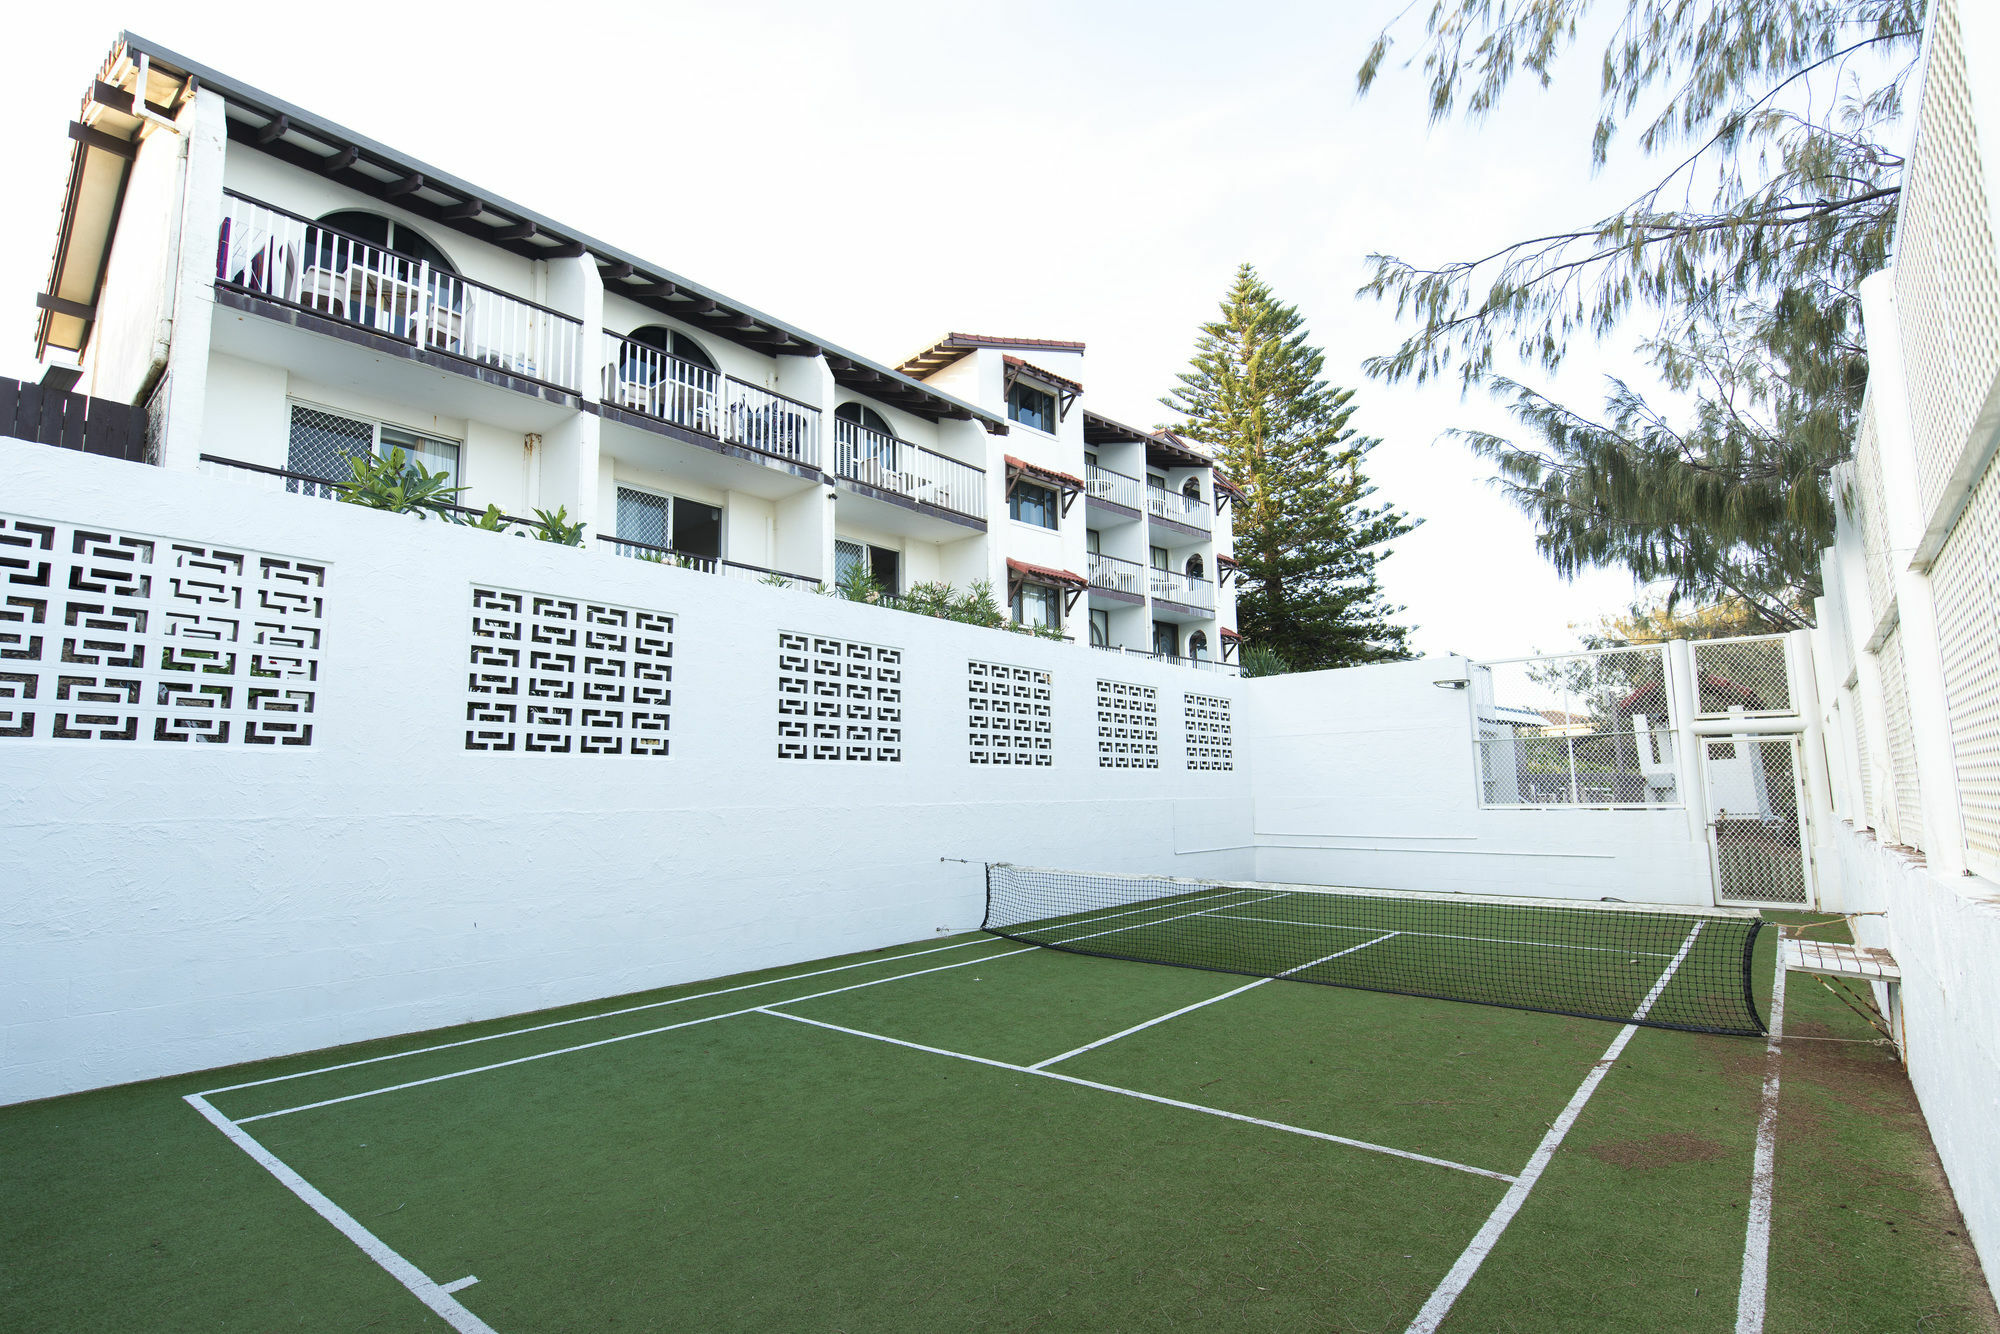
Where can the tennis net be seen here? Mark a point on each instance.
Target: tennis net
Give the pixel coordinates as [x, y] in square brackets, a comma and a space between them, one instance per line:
[1665, 967]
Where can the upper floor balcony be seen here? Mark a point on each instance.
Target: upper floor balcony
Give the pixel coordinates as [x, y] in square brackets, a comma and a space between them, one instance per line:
[1179, 509]
[1103, 487]
[643, 379]
[1126, 579]
[281, 256]
[886, 463]
[1183, 590]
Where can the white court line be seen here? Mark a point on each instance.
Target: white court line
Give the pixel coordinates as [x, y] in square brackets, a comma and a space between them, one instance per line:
[655, 1005]
[438, 1298]
[1089, 1046]
[622, 1037]
[1757, 1235]
[587, 1018]
[460, 1284]
[1447, 1292]
[1135, 1093]
[1444, 935]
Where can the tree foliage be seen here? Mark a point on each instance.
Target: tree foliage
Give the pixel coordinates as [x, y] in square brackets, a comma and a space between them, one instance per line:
[1779, 197]
[1306, 536]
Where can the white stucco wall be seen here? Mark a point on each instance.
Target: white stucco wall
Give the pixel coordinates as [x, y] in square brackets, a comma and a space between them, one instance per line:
[171, 908]
[1944, 932]
[1367, 776]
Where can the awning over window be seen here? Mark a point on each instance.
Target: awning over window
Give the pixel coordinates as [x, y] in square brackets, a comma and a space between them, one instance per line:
[1225, 487]
[1026, 572]
[1231, 641]
[1066, 390]
[1227, 568]
[1071, 487]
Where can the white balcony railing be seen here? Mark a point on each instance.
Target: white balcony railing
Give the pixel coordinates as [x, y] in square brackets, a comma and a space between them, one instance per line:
[769, 422]
[1200, 664]
[1184, 589]
[1119, 576]
[1111, 488]
[888, 464]
[1165, 504]
[654, 554]
[639, 377]
[295, 260]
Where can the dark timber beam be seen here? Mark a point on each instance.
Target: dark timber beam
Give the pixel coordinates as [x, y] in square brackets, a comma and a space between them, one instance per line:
[567, 250]
[520, 231]
[617, 271]
[340, 161]
[110, 143]
[408, 185]
[656, 291]
[278, 128]
[463, 210]
[75, 310]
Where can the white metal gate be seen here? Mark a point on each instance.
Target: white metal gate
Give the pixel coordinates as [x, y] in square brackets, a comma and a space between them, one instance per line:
[1756, 829]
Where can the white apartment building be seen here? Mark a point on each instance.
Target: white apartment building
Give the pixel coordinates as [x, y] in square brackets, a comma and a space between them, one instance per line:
[281, 294]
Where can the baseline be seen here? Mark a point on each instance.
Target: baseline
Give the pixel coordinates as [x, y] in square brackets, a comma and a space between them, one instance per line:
[1454, 1283]
[434, 1295]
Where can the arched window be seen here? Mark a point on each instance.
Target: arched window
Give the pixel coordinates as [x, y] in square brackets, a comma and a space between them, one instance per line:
[1194, 566]
[674, 343]
[870, 450]
[377, 230]
[1191, 489]
[1198, 645]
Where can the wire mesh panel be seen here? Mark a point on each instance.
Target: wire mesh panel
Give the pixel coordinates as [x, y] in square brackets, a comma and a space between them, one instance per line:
[1753, 823]
[1746, 676]
[1589, 729]
[1662, 966]
[323, 445]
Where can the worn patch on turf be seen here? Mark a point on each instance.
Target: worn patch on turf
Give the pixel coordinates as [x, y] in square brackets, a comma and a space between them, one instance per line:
[1657, 1151]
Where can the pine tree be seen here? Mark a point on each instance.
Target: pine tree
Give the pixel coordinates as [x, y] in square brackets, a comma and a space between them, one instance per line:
[1307, 538]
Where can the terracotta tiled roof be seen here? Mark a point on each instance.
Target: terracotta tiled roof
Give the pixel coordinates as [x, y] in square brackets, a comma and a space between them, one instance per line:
[1047, 574]
[1231, 634]
[1061, 479]
[1061, 382]
[952, 346]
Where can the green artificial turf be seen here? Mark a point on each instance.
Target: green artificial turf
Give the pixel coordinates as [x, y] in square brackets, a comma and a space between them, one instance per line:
[757, 1173]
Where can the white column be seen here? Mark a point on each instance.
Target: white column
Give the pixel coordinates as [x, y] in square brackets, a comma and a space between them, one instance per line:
[204, 128]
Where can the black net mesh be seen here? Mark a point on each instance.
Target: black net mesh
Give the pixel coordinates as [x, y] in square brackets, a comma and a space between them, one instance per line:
[1663, 967]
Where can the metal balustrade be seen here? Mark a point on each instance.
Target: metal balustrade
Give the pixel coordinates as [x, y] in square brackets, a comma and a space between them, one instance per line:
[1173, 659]
[1184, 589]
[1112, 488]
[769, 422]
[1120, 576]
[888, 464]
[641, 378]
[1166, 504]
[290, 258]
[655, 554]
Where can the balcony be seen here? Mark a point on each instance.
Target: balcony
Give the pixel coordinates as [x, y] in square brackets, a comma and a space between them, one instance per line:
[1173, 659]
[1183, 511]
[1182, 589]
[1105, 487]
[1124, 578]
[728, 569]
[283, 257]
[642, 379]
[911, 471]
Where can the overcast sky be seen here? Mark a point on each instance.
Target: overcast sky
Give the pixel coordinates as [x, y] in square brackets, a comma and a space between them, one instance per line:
[879, 174]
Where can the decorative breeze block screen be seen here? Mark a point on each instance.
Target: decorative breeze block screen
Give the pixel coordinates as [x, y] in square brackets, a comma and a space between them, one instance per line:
[1009, 715]
[1128, 726]
[109, 636]
[839, 700]
[562, 676]
[1211, 741]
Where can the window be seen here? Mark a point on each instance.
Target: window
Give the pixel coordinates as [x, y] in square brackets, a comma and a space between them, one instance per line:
[1034, 504]
[847, 557]
[866, 445]
[1037, 605]
[1198, 646]
[1191, 489]
[1160, 559]
[670, 521]
[883, 564]
[1031, 407]
[1100, 628]
[1092, 541]
[672, 342]
[1166, 639]
[322, 443]
[376, 230]
[1194, 566]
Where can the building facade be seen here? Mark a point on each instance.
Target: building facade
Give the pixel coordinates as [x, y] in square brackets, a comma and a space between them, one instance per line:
[282, 295]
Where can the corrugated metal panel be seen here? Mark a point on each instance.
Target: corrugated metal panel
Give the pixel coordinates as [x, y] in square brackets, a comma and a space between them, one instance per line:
[1965, 586]
[1947, 275]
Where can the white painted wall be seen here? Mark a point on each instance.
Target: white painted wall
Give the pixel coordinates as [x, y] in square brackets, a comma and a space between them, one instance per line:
[1367, 776]
[173, 908]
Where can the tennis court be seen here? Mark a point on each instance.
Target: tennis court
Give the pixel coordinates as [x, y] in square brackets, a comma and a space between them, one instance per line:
[980, 1133]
